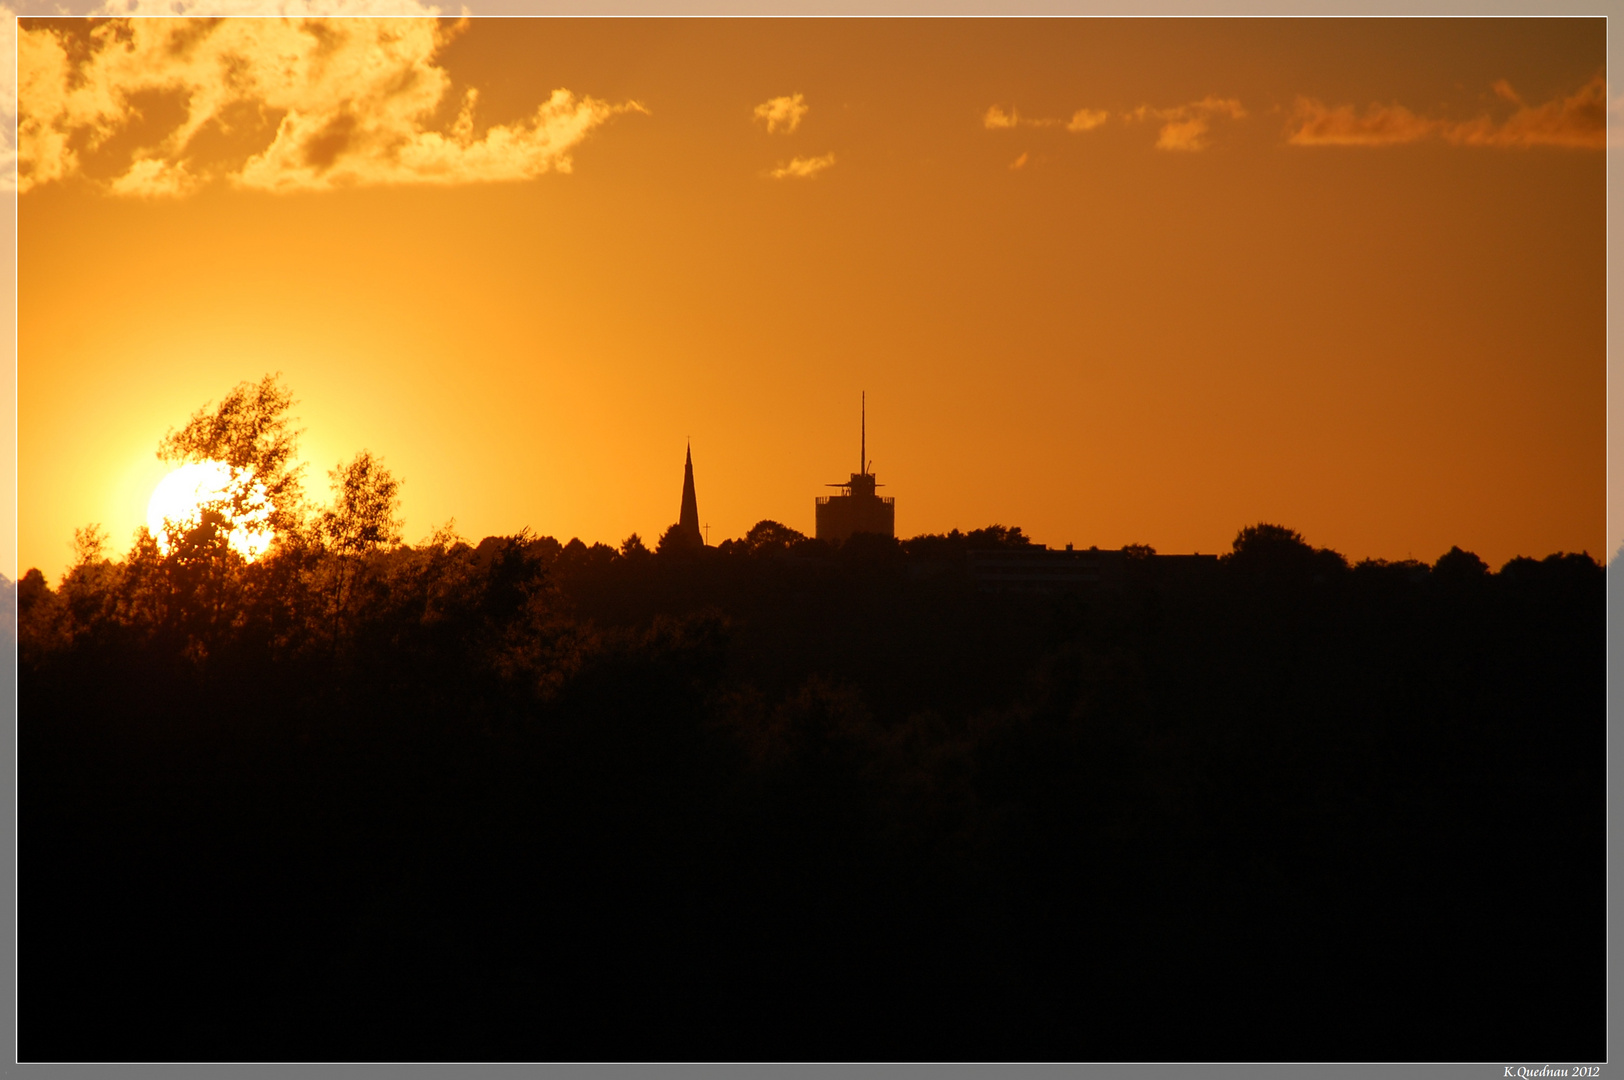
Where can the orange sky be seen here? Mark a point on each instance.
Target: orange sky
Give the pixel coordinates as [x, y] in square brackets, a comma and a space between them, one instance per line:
[1111, 281]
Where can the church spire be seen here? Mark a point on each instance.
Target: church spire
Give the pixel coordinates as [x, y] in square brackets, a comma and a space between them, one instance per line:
[688, 521]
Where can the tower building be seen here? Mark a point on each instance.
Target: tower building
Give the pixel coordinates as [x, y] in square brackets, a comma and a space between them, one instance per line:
[857, 509]
[688, 519]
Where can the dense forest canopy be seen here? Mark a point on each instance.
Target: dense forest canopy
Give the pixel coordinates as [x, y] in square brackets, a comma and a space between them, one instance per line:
[359, 798]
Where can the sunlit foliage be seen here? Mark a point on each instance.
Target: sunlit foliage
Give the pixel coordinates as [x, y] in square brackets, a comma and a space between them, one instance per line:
[188, 495]
[250, 432]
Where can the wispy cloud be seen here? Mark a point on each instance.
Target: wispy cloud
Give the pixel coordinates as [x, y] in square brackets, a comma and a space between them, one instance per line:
[1184, 127]
[1019, 163]
[1217, 106]
[803, 168]
[1207, 106]
[1183, 135]
[782, 113]
[997, 118]
[1087, 119]
[1578, 121]
[309, 104]
[1381, 125]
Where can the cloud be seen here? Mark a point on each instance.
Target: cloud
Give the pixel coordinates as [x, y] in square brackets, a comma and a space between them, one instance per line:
[782, 113]
[1578, 121]
[997, 118]
[1217, 106]
[1185, 127]
[1019, 163]
[1503, 89]
[154, 178]
[1381, 125]
[160, 107]
[1087, 119]
[803, 168]
[1183, 135]
[345, 146]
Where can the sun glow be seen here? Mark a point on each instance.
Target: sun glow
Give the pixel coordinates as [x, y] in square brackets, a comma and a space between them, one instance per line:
[179, 500]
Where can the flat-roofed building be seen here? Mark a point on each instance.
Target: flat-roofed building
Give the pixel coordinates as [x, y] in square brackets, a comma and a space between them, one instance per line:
[858, 509]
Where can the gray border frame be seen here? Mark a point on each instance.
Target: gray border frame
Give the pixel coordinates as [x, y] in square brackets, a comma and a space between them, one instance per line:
[9, 837]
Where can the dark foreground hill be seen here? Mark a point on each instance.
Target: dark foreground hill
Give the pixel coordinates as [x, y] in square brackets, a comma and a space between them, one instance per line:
[524, 801]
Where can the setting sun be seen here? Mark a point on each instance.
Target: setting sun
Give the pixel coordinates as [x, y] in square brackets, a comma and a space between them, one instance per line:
[179, 500]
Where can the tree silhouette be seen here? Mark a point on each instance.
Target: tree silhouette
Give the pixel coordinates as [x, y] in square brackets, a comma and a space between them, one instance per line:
[89, 544]
[768, 537]
[1456, 565]
[366, 500]
[197, 588]
[1265, 552]
[953, 545]
[31, 589]
[676, 542]
[362, 520]
[831, 786]
[252, 433]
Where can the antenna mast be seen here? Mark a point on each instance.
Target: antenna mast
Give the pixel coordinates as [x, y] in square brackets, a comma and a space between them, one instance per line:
[862, 463]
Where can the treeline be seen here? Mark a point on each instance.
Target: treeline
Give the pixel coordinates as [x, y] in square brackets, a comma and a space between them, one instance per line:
[785, 800]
